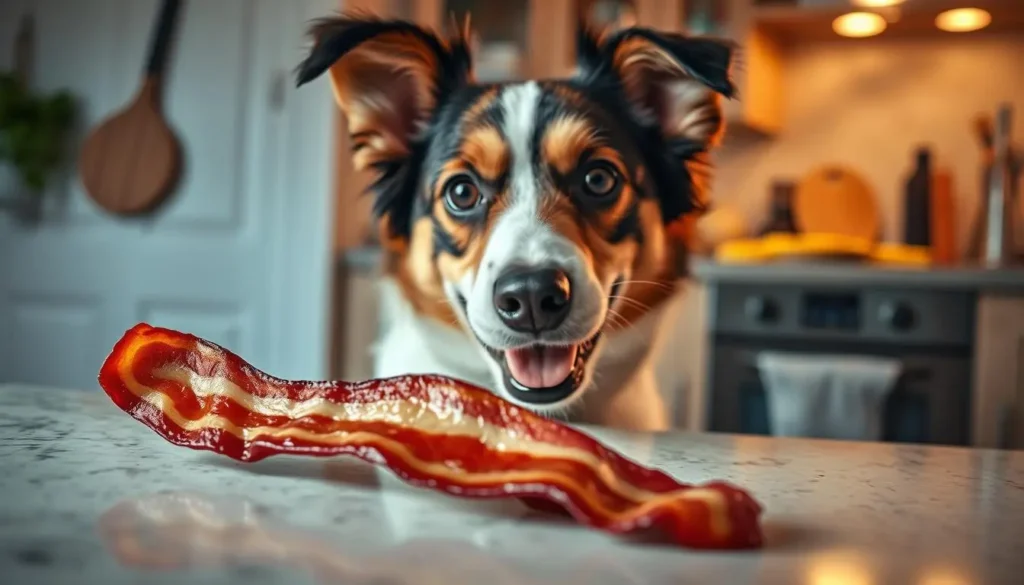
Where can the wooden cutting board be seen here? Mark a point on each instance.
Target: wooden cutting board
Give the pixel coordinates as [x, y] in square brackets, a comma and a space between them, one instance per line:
[130, 163]
[834, 199]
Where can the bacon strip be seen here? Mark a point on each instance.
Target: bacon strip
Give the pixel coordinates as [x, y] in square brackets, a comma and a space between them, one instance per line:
[430, 431]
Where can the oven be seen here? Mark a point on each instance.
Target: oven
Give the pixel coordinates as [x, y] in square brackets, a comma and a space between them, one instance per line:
[930, 333]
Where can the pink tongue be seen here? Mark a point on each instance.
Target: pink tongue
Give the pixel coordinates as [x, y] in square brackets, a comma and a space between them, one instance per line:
[540, 367]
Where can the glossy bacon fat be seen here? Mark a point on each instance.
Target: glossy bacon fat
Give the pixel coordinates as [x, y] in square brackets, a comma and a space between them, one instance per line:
[431, 431]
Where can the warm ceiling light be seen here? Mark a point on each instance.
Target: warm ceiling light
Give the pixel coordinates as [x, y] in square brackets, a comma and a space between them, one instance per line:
[858, 24]
[963, 19]
[876, 3]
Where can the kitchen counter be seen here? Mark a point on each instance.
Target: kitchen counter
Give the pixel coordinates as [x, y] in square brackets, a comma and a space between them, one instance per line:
[962, 278]
[92, 496]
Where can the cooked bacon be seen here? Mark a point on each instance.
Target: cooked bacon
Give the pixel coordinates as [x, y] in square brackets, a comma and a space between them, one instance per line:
[430, 431]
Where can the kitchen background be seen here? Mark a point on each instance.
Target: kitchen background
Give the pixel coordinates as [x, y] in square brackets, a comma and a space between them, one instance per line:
[265, 244]
[915, 342]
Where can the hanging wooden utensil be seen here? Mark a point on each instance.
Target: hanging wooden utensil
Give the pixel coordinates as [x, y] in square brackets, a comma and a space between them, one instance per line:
[130, 163]
[24, 43]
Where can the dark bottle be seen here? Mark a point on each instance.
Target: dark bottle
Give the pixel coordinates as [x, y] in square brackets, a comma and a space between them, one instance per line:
[917, 202]
[780, 212]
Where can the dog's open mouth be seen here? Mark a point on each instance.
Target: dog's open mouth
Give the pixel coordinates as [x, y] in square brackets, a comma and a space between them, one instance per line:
[546, 373]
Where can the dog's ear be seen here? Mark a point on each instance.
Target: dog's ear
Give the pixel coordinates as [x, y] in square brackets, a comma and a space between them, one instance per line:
[388, 77]
[669, 79]
[673, 85]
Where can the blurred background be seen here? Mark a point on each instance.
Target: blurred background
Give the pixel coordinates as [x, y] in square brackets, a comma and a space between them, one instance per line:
[857, 274]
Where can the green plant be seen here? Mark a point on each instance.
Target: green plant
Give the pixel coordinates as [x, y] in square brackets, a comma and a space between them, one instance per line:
[32, 129]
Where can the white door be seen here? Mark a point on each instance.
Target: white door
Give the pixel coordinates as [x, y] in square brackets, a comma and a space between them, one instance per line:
[240, 254]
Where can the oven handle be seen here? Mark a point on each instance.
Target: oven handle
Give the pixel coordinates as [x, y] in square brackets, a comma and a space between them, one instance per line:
[917, 374]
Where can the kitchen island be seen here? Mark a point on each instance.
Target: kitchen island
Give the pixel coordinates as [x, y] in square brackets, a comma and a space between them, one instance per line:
[92, 496]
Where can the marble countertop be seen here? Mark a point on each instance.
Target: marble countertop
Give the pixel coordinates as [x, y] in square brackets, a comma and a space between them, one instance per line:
[92, 496]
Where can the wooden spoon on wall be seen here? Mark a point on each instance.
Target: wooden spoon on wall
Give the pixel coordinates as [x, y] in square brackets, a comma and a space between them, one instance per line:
[130, 163]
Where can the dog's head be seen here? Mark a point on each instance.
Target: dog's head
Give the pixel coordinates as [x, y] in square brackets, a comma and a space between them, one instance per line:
[527, 208]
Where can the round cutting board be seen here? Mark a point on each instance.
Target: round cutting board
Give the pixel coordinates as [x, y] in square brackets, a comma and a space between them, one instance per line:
[833, 199]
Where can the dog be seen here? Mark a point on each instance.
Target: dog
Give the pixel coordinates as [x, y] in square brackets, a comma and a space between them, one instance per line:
[530, 228]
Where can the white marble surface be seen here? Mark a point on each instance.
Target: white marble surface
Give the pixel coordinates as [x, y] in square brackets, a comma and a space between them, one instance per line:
[91, 496]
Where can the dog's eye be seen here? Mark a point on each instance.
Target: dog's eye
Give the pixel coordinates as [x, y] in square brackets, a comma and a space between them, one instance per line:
[600, 181]
[461, 194]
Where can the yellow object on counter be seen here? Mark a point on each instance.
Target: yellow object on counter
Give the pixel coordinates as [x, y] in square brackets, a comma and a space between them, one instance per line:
[891, 253]
[819, 246]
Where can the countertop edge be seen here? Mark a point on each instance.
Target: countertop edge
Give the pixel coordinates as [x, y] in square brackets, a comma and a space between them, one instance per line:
[954, 278]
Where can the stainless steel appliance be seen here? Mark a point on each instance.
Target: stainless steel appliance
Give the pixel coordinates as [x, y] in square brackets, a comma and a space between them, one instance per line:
[931, 332]
[994, 241]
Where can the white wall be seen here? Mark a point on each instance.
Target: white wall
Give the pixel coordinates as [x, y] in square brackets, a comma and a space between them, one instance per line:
[240, 253]
[868, 105]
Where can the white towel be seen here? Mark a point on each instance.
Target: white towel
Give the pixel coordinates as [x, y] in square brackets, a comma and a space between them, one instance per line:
[827, 396]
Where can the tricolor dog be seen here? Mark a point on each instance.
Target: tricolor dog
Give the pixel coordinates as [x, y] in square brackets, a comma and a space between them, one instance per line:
[527, 224]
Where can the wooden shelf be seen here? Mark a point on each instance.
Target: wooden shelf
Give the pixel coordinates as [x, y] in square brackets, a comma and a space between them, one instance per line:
[758, 109]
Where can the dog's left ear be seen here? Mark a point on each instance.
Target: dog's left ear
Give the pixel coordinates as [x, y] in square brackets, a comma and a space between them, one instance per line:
[673, 81]
[389, 78]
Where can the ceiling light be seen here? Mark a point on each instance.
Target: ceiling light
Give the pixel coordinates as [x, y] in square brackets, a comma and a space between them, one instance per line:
[858, 24]
[963, 19]
[876, 3]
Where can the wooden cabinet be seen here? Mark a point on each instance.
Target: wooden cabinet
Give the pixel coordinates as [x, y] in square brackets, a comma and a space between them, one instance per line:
[759, 106]
[356, 320]
[514, 39]
[999, 373]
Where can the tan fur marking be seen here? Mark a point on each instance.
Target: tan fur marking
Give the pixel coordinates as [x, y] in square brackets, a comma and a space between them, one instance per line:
[417, 277]
[455, 269]
[650, 266]
[653, 279]
[460, 233]
[565, 141]
[611, 217]
[564, 144]
[482, 103]
[486, 150]
[605, 258]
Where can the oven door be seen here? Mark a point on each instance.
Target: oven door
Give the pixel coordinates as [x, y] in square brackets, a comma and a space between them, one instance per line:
[929, 404]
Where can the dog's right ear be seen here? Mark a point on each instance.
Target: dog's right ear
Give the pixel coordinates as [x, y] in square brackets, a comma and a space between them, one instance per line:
[388, 77]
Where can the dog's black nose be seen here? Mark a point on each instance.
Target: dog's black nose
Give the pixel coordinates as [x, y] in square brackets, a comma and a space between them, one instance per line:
[532, 300]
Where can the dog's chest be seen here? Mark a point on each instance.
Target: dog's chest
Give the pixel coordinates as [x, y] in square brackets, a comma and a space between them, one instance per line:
[410, 343]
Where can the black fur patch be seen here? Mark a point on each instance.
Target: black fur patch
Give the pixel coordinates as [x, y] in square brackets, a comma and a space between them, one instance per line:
[443, 242]
[628, 226]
